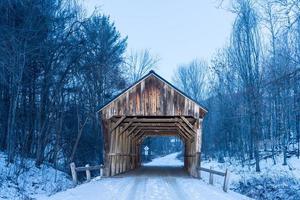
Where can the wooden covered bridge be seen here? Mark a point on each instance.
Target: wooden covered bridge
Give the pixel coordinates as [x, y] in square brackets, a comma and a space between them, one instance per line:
[150, 107]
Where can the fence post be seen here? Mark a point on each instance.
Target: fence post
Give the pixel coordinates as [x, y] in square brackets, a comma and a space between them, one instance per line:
[211, 178]
[88, 172]
[73, 172]
[101, 171]
[226, 180]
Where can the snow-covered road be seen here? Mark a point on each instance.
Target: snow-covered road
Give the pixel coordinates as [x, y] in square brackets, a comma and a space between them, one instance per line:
[149, 182]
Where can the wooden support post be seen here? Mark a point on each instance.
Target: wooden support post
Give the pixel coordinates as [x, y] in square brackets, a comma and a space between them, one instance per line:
[211, 178]
[106, 146]
[120, 151]
[101, 171]
[88, 172]
[123, 152]
[128, 152]
[121, 142]
[113, 150]
[108, 162]
[197, 148]
[198, 158]
[226, 180]
[73, 172]
[117, 157]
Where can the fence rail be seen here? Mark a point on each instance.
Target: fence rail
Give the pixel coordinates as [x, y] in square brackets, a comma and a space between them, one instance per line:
[211, 172]
[87, 168]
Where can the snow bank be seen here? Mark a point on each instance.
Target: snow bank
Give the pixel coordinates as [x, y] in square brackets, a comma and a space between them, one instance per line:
[22, 180]
[273, 182]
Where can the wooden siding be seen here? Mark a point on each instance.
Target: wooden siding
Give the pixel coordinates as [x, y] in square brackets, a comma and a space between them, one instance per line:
[150, 107]
[152, 97]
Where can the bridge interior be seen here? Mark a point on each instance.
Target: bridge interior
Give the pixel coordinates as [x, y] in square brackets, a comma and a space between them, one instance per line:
[126, 134]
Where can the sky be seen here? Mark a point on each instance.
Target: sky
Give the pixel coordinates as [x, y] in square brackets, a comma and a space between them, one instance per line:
[176, 31]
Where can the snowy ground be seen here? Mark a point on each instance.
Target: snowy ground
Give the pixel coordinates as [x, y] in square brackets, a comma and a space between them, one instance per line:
[273, 182]
[23, 180]
[170, 182]
[169, 160]
[267, 168]
[153, 182]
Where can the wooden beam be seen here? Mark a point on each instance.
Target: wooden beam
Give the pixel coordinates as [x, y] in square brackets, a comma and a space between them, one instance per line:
[139, 136]
[156, 124]
[117, 123]
[157, 119]
[165, 133]
[136, 133]
[158, 128]
[152, 120]
[131, 131]
[126, 127]
[186, 132]
[188, 123]
[182, 134]
[192, 132]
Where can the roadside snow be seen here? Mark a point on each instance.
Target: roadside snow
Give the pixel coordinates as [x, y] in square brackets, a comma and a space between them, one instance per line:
[22, 180]
[268, 169]
[151, 182]
[273, 182]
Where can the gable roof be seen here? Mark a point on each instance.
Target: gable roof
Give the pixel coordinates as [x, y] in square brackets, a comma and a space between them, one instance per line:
[152, 72]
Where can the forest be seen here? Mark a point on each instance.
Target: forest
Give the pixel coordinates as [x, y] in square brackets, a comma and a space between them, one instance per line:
[251, 87]
[58, 66]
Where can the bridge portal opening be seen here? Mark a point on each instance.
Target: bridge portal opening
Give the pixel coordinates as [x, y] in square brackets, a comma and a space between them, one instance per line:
[162, 151]
[127, 136]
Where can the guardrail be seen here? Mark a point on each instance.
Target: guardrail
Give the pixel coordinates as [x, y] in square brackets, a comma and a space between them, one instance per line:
[87, 170]
[211, 172]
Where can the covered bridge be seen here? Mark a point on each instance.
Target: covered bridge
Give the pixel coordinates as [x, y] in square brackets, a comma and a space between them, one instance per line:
[150, 107]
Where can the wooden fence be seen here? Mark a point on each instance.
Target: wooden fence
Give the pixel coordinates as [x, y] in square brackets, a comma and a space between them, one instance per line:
[87, 169]
[211, 176]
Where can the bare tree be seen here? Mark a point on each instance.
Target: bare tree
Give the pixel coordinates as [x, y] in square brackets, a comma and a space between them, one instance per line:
[246, 54]
[192, 78]
[138, 63]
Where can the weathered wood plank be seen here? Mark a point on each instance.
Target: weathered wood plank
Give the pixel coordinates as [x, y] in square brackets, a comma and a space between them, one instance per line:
[73, 172]
[212, 171]
[91, 168]
[118, 123]
[126, 127]
[192, 132]
[132, 130]
[187, 122]
[226, 181]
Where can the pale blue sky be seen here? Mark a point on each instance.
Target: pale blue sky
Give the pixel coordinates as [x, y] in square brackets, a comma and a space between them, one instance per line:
[175, 30]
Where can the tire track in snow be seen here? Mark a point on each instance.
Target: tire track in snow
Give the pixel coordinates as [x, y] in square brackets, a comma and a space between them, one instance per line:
[120, 188]
[138, 190]
[180, 194]
[159, 189]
